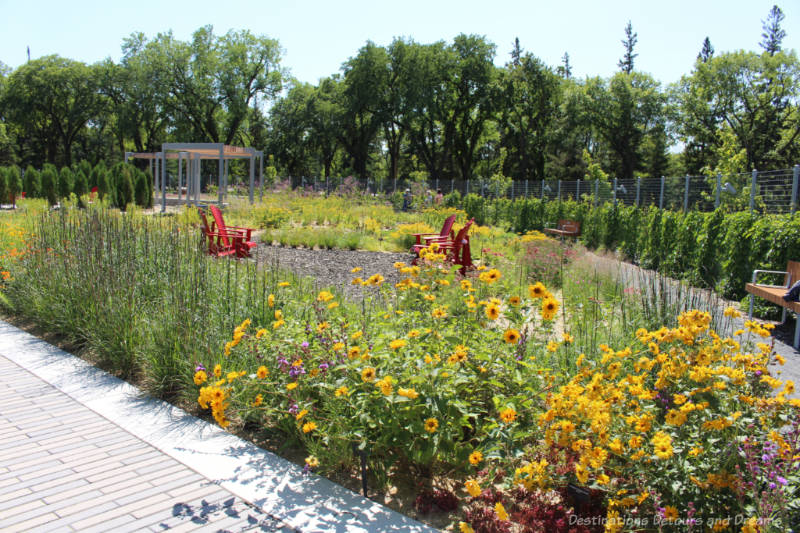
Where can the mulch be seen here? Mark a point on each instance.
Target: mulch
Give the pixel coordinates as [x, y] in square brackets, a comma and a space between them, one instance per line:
[333, 268]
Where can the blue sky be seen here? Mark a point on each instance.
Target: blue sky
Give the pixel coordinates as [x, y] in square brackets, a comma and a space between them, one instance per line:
[318, 36]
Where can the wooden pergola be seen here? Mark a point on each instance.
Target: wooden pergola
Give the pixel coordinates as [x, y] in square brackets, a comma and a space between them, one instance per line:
[193, 153]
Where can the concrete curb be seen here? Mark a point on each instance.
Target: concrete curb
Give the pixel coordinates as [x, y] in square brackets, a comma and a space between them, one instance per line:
[276, 486]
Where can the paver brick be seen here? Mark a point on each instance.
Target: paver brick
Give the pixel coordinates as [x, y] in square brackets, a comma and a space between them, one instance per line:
[26, 525]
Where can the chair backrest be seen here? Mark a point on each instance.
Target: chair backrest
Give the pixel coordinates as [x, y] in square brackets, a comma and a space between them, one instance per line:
[793, 268]
[569, 225]
[461, 236]
[223, 229]
[447, 227]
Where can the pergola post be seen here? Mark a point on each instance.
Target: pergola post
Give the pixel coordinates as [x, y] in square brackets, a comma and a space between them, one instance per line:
[261, 177]
[163, 182]
[220, 182]
[180, 176]
[252, 176]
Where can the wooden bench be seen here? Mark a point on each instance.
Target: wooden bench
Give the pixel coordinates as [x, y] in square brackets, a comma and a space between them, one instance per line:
[566, 228]
[774, 293]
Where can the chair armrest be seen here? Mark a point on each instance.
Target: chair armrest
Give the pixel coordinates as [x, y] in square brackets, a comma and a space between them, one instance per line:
[756, 272]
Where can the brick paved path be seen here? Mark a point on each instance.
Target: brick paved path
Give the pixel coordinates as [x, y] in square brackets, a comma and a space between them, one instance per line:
[63, 467]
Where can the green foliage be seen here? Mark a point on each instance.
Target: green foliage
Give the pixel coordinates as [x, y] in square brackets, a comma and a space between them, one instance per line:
[81, 185]
[141, 191]
[14, 182]
[50, 184]
[4, 175]
[65, 179]
[32, 183]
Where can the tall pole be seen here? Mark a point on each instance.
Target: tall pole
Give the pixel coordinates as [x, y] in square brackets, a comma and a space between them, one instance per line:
[686, 195]
[661, 195]
[163, 156]
[753, 178]
[718, 190]
[795, 176]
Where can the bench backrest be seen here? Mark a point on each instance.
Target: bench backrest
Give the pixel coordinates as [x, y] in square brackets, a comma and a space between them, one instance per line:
[569, 225]
[793, 268]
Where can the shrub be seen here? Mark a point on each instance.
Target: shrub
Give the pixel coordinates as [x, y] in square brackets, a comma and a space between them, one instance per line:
[50, 184]
[32, 183]
[14, 182]
[65, 183]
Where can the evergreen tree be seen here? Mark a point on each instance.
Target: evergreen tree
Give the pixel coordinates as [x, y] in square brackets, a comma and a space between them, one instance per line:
[140, 188]
[49, 184]
[32, 183]
[14, 183]
[126, 192]
[81, 184]
[65, 180]
[565, 69]
[148, 182]
[707, 52]
[516, 52]
[773, 33]
[626, 63]
[4, 175]
[100, 179]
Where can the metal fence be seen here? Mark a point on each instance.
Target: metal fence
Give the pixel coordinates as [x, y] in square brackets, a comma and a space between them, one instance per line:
[772, 191]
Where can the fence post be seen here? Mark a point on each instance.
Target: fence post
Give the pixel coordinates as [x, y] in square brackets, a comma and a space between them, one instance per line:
[638, 189]
[578, 191]
[394, 189]
[795, 176]
[719, 187]
[686, 195]
[542, 190]
[437, 184]
[559, 190]
[596, 191]
[753, 190]
[661, 196]
[526, 188]
[615, 192]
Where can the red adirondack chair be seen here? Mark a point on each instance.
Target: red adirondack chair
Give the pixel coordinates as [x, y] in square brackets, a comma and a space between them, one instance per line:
[244, 243]
[423, 239]
[220, 244]
[457, 250]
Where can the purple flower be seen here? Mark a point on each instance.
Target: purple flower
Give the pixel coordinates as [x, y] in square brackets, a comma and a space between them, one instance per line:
[296, 371]
[323, 367]
[758, 372]
[294, 409]
[782, 480]
[304, 344]
[199, 367]
[772, 486]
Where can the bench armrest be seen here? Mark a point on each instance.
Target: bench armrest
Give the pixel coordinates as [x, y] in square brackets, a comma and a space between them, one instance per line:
[756, 272]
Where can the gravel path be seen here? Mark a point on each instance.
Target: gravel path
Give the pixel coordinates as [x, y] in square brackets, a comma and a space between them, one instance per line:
[332, 268]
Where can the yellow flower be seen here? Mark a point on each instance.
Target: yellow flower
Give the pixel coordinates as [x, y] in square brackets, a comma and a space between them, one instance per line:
[375, 279]
[568, 339]
[200, 377]
[465, 528]
[662, 444]
[301, 414]
[312, 461]
[492, 311]
[439, 312]
[368, 374]
[277, 324]
[337, 346]
[217, 371]
[271, 300]
[258, 400]
[291, 386]
[413, 334]
[514, 300]
[322, 326]
[473, 488]
[385, 385]
[501, 511]
[324, 296]
[260, 333]
[475, 457]
[511, 336]
[262, 372]
[353, 352]
[356, 269]
[356, 335]
[508, 415]
[408, 393]
[732, 313]
[341, 391]
[552, 346]
[670, 513]
[283, 284]
[333, 305]
[396, 344]
[357, 281]
[549, 308]
[431, 425]
[308, 427]
[675, 418]
[278, 314]
[228, 348]
[537, 290]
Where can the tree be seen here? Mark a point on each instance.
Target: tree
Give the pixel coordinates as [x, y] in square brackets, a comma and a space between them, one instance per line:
[49, 184]
[707, 52]
[4, 194]
[626, 63]
[516, 52]
[80, 184]
[52, 99]
[14, 182]
[31, 183]
[773, 34]
[565, 69]
[65, 183]
[624, 111]
[531, 96]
